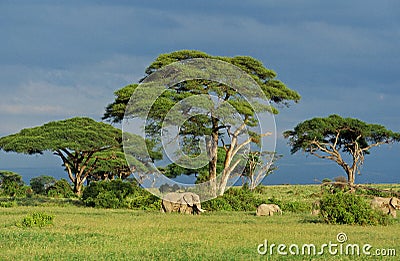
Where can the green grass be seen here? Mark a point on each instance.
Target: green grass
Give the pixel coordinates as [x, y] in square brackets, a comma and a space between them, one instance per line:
[80, 233]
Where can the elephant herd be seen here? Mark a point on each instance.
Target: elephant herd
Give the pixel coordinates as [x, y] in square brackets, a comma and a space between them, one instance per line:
[189, 203]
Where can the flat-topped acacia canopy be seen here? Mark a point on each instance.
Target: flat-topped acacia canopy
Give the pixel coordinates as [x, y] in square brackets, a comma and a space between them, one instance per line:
[74, 140]
[327, 137]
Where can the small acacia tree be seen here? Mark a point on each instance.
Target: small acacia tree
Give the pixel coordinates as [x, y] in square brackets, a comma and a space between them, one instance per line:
[253, 175]
[74, 140]
[11, 183]
[329, 138]
[41, 183]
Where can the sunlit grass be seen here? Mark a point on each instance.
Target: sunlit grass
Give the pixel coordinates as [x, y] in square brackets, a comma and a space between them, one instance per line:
[97, 234]
[80, 233]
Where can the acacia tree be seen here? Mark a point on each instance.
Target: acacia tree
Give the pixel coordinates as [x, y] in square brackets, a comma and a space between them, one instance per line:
[255, 170]
[11, 183]
[333, 136]
[109, 165]
[219, 134]
[75, 141]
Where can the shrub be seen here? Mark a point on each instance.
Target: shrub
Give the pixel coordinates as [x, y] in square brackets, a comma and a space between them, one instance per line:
[8, 204]
[60, 189]
[216, 204]
[326, 180]
[348, 208]
[40, 184]
[37, 219]
[237, 199]
[11, 184]
[375, 192]
[142, 199]
[119, 194]
[296, 207]
[107, 194]
[274, 200]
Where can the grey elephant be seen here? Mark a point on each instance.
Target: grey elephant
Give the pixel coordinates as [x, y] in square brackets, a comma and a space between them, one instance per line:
[186, 202]
[268, 210]
[387, 205]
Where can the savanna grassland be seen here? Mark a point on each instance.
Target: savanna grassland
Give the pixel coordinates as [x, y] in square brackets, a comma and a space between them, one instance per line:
[82, 233]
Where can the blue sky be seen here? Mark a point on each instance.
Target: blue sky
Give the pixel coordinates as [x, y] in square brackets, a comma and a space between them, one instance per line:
[61, 59]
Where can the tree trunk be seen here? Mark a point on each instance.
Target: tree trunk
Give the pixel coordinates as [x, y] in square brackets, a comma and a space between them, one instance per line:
[212, 150]
[212, 165]
[78, 187]
[350, 179]
[226, 172]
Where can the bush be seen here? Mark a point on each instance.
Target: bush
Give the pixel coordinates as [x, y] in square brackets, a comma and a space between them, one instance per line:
[8, 204]
[11, 184]
[348, 208]
[219, 203]
[142, 199]
[296, 207]
[38, 219]
[119, 194]
[107, 194]
[326, 180]
[40, 184]
[375, 192]
[60, 189]
[236, 199]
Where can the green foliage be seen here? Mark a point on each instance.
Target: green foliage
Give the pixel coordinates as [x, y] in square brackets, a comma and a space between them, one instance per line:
[142, 199]
[326, 180]
[109, 165]
[324, 130]
[60, 189]
[375, 192]
[107, 194]
[328, 137]
[36, 219]
[254, 161]
[199, 125]
[295, 207]
[274, 89]
[217, 204]
[11, 184]
[348, 208]
[76, 134]
[40, 184]
[119, 194]
[243, 199]
[173, 170]
[74, 140]
[236, 199]
[115, 111]
[8, 204]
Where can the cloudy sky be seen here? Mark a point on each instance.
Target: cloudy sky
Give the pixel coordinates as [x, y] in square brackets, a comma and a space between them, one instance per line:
[61, 59]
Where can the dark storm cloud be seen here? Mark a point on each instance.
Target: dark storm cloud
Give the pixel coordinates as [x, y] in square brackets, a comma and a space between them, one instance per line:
[60, 59]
